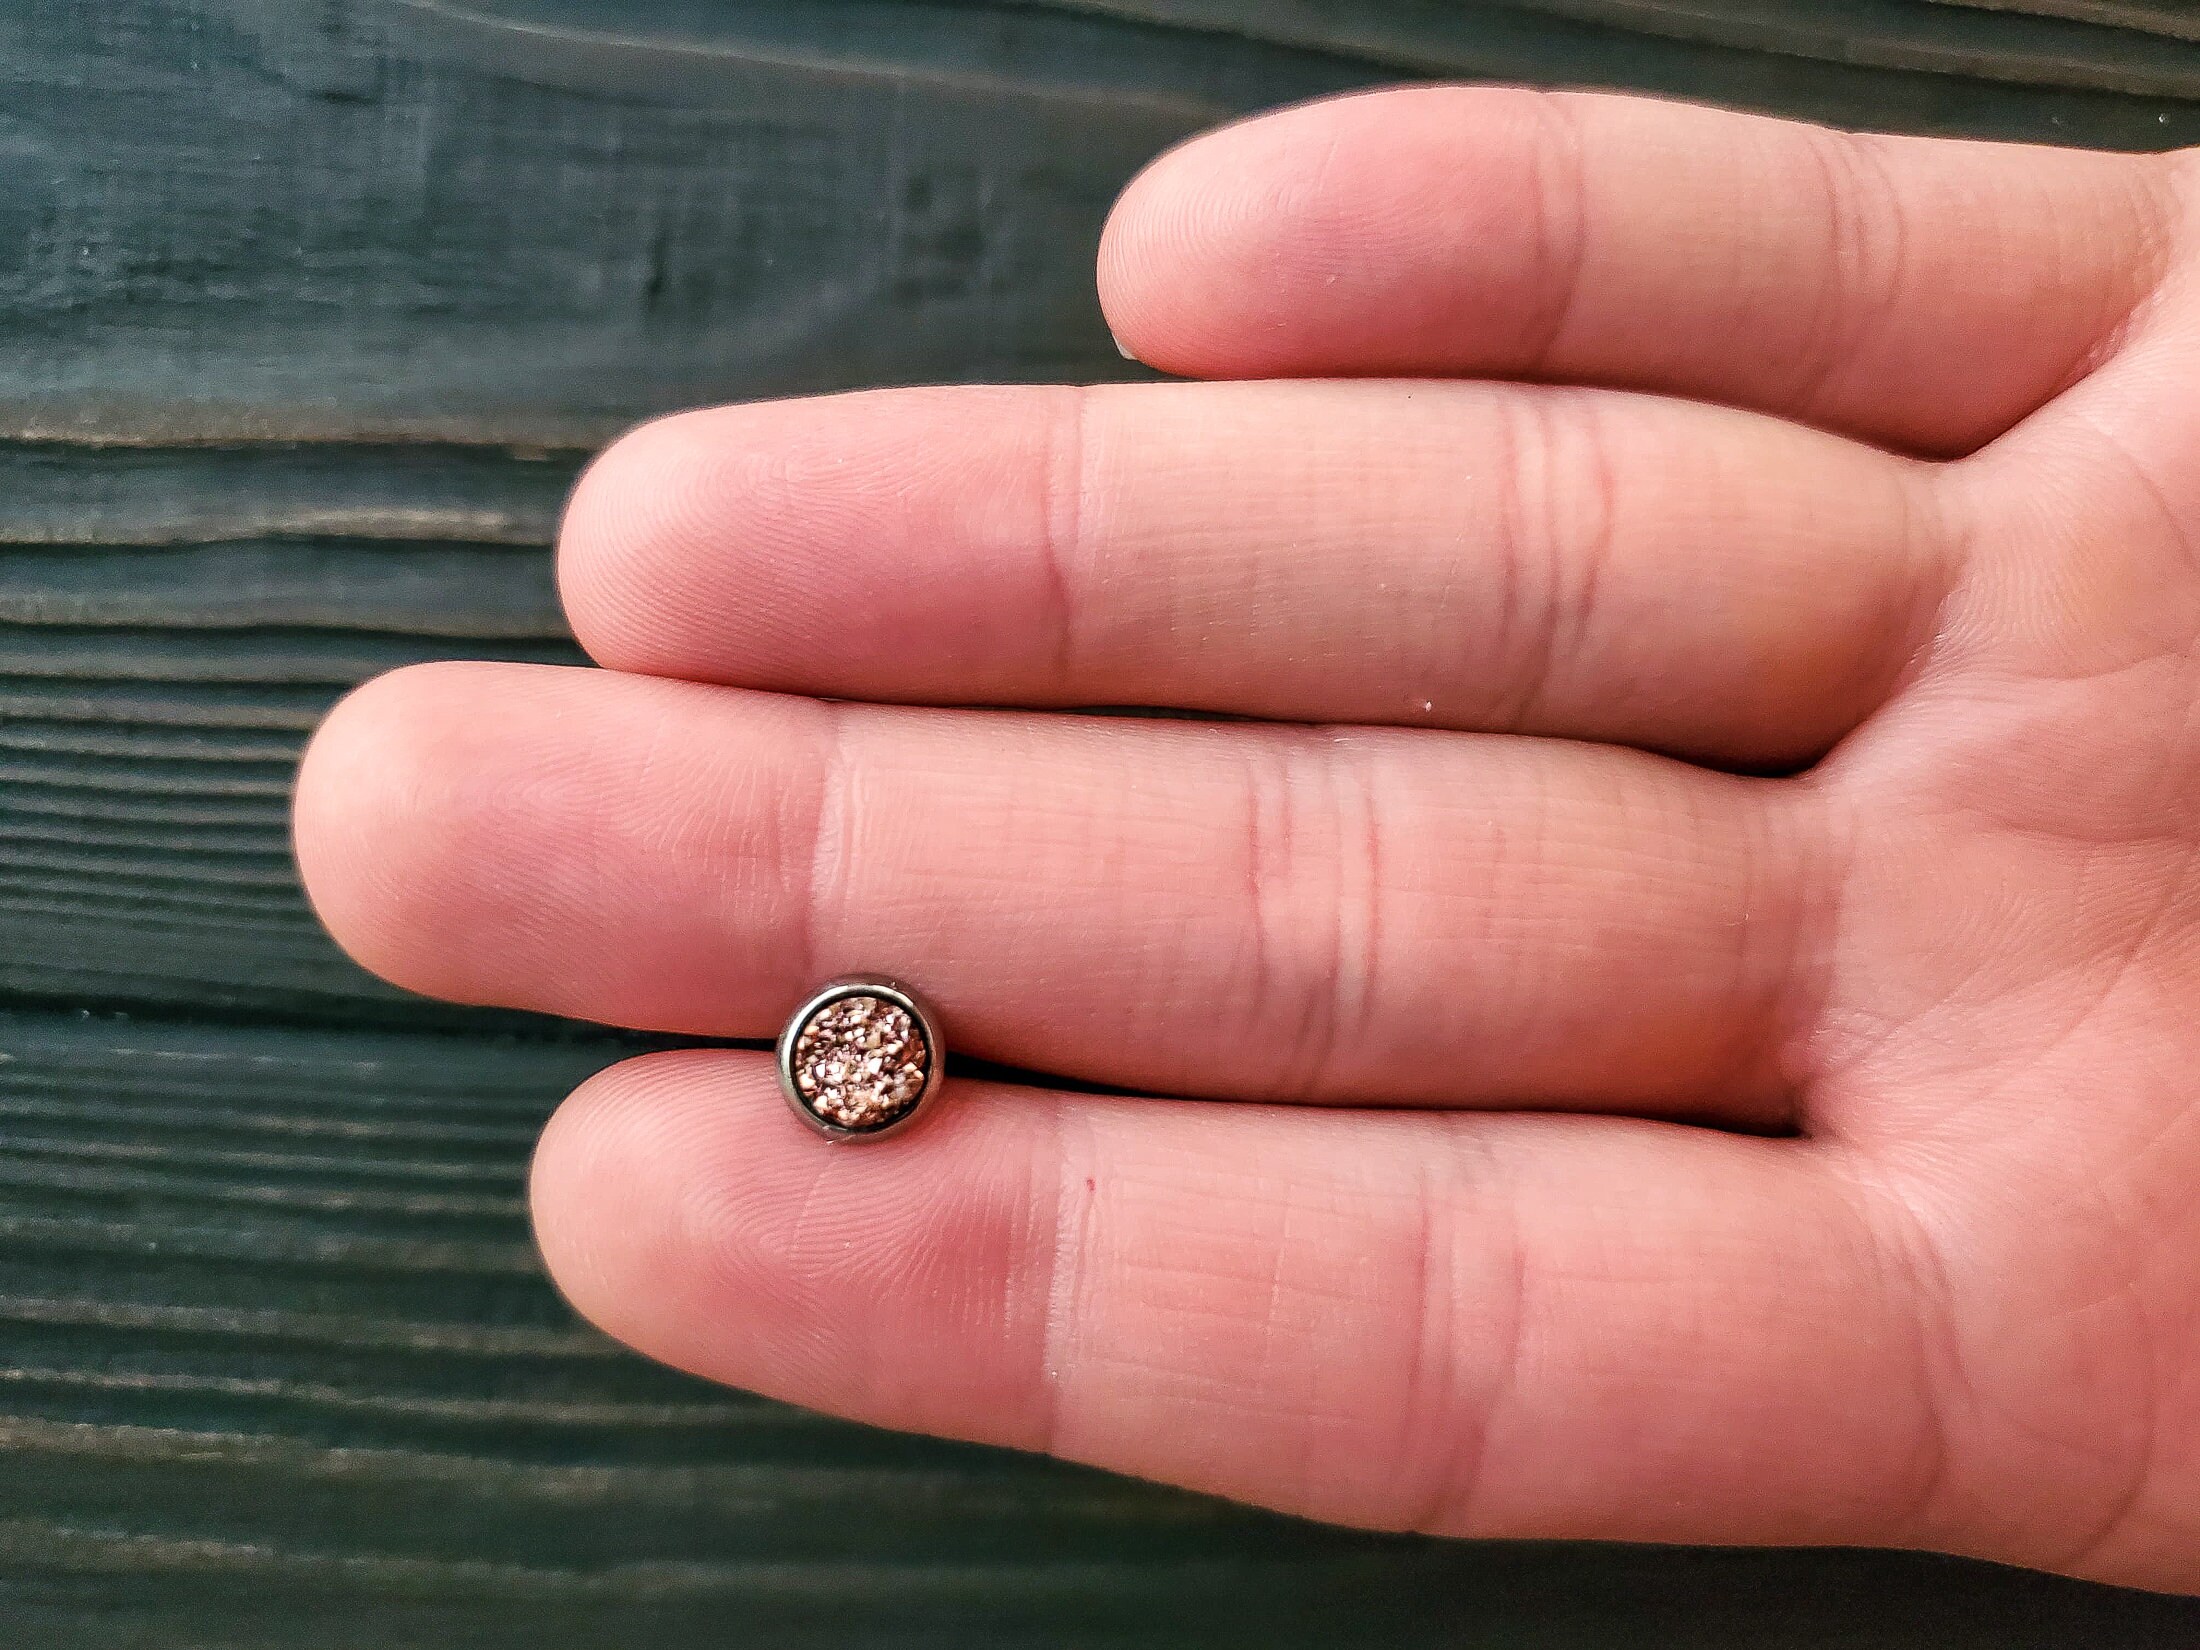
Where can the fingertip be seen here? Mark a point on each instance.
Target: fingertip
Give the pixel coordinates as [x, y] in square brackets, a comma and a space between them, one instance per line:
[682, 1211]
[1292, 243]
[610, 1240]
[644, 499]
[366, 825]
[1126, 253]
[875, 544]
[563, 1164]
[1173, 249]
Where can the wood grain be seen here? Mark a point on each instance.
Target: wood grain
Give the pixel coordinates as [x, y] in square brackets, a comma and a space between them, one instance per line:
[2049, 44]
[309, 313]
[2174, 19]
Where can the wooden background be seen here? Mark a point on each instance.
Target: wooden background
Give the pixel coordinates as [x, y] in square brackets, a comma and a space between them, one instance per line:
[309, 310]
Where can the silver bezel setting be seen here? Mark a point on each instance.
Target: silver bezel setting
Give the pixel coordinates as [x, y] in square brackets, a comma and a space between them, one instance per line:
[860, 985]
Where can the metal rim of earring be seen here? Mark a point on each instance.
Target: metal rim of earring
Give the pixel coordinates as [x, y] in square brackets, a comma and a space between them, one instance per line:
[894, 994]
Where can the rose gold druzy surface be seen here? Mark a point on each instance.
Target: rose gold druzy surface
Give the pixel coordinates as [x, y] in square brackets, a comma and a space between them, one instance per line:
[860, 1062]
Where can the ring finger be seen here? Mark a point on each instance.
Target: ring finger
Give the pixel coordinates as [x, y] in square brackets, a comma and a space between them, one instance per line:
[1585, 563]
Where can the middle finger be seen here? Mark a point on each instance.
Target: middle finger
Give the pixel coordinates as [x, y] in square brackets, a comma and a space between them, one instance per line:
[1362, 915]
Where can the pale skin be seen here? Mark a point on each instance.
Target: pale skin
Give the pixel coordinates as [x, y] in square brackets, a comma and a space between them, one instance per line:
[1697, 948]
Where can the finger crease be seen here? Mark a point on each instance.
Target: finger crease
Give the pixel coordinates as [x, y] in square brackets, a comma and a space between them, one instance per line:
[1075, 1199]
[1062, 531]
[1865, 265]
[1455, 1497]
[1562, 175]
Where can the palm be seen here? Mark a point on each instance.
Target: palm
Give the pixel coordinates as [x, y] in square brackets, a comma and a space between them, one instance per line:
[1858, 814]
[2008, 1020]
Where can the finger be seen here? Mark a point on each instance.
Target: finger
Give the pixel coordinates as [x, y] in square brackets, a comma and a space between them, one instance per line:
[1682, 577]
[1924, 293]
[2092, 513]
[1237, 910]
[1472, 1325]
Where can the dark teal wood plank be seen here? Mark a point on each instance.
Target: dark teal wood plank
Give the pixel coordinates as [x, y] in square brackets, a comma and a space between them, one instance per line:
[62, 494]
[2141, 50]
[2173, 19]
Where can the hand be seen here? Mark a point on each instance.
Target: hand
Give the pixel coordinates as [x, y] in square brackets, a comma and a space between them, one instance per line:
[1776, 710]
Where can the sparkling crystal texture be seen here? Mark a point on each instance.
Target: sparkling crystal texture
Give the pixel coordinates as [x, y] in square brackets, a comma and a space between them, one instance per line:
[860, 1062]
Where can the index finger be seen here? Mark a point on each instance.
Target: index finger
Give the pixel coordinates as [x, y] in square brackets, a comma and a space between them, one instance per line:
[1485, 1325]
